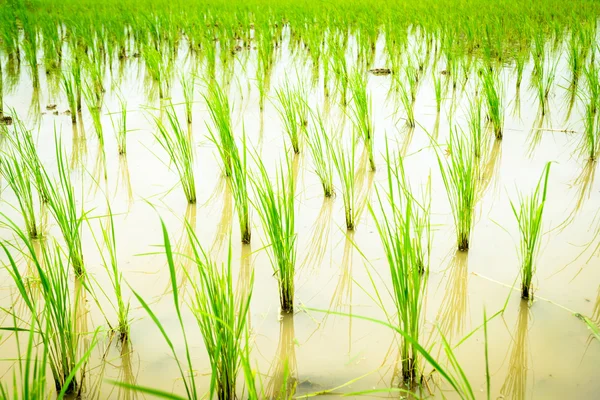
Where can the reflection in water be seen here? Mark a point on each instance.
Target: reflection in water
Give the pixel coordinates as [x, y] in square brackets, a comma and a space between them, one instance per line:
[515, 384]
[517, 104]
[99, 174]
[452, 314]
[596, 311]
[491, 166]
[342, 295]
[363, 183]
[126, 374]
[224, 225]
[407, 133]
[319, 235]
[35, 111]
[536, 133]
[81, 328]
[284, 375]
[79, 146]
[183, 246]
[124, 180]
[246, 274]
[436, 126]
[583, 190]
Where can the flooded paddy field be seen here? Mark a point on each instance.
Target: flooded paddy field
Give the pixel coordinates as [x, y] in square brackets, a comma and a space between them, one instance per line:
[292, 201]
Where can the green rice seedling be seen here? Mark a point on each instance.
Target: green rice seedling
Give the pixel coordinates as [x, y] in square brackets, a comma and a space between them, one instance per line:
[404, 230]
[476, 127]
[69, 87]
[361, 113]
[275, 205]
[56, 324]
[110, 263]
[291, 108]
[222, 315]
[460, 176]
[319, 145]
[408, 105]
[120, 126]
[15, 172]
[544, 85]
[590, 142]
[178, 144]
[344, 164]
[592, 75]
[339, 68]
[187, 86]
[529, 217]
[493, 92]
[95, 110]
[437, 87]
[220, 114]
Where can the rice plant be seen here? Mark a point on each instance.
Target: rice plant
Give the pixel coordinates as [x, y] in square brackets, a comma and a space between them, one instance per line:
[94, 108]
[437, 86]
[56, 323]
[529, 217]
[408, 105]
[274, 203]
[344, 163]
[15, 172]
[221, 314]
[460, 176]
[292, 109]
[404, 230]
[120, 126]
[220, 114]
[110, 263]
[187, 86]
[361, 113]
[476, 128]
[233, 159]
[493, 97]
[178, 144]
[319, 144]
[543, 86]
[69, 88]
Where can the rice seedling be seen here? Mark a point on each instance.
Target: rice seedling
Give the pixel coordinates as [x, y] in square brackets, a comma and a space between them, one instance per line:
[220, 114]
[221, 315]
[15, 172]
[404, 230]
[56, 322]
[460, 176]
[544, 85]
[437, 87]
[120, 126]
[344, 161]
[319, 145]
[110, 263]
[361, 113]
[235, 163]
[178, 144]
[590, 142]
[493, 97]
[529, 217]
[95, 110]
[187, 86]
[476, 127]
[292, 110]
[68, 86]
[275, 205]
[408, 105]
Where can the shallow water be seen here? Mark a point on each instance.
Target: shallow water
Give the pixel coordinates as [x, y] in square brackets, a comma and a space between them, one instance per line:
[538, 351]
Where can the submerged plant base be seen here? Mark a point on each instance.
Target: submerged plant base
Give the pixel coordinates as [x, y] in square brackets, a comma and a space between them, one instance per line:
[463, 244]
[526, 292]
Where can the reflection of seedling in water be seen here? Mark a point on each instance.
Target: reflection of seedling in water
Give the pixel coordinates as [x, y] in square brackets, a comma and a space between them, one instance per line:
[515, 384]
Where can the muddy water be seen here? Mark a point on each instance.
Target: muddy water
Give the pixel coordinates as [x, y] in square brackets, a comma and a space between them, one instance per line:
[541, 351]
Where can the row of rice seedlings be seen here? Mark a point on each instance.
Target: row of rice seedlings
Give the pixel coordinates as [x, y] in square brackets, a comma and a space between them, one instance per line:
[178, 144]
[529, 217]
[344, 163]
[492, 90]
[274, 203]
[15, 172]
[361, 113]
[460, 176]
[56, 323]
[319, 144]
[293, 110]
[235, 164]
[404, 230]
